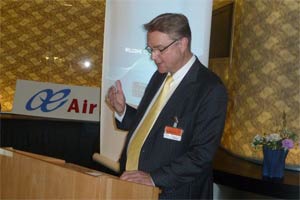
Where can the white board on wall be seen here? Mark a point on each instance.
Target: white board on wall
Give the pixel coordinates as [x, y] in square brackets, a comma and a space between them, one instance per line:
[125, 58]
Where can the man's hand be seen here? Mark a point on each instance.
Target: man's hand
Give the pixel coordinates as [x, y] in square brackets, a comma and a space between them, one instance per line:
[116, 98]
[137, 177]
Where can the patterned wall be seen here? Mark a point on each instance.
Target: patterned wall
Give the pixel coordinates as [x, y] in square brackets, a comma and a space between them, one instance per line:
[50, 41]
[264, 79]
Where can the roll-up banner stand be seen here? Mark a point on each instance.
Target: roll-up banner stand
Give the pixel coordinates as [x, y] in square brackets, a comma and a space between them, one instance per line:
[125, 57]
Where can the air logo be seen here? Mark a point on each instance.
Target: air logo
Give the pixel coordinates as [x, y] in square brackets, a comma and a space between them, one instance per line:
[47, 100]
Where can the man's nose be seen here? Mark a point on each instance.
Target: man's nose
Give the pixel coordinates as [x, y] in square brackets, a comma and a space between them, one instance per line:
[154, 55]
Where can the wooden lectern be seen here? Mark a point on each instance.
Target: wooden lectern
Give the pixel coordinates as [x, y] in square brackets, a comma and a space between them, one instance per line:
[30, 176]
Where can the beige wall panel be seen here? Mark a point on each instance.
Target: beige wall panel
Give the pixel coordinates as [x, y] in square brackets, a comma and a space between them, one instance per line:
[264, 78]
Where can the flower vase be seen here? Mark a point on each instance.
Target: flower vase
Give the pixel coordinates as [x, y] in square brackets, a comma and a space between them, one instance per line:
[274, 163]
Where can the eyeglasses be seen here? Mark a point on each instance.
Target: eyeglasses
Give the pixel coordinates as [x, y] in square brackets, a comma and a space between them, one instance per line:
[159, 50]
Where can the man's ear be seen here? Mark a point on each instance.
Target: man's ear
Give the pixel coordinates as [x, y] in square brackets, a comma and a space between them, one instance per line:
[184, 43]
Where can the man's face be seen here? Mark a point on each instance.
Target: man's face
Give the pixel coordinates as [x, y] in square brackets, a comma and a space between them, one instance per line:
[167, 53]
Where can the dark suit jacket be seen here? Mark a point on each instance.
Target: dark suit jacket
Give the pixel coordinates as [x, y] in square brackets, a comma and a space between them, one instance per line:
[182, 169]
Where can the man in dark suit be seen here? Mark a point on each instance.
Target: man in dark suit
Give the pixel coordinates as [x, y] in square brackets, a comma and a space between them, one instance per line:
[175, 151]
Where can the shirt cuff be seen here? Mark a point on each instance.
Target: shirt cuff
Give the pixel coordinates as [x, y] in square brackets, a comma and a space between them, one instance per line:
[152, 181]
[120, 117]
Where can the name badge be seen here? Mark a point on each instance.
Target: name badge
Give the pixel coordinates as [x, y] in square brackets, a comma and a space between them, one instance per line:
[173, 133]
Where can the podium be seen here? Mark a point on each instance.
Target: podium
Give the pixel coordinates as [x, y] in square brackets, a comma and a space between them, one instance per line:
[25, 175]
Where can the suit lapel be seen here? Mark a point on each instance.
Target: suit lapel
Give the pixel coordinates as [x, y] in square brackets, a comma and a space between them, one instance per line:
[184, 90]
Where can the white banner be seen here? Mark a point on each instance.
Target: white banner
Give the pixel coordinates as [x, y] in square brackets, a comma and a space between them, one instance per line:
[126, 59]
[56, 101]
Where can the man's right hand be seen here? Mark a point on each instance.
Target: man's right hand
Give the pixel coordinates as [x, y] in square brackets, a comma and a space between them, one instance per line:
[115, 98]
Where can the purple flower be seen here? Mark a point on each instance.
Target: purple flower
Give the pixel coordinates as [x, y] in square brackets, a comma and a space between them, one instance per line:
[287, 143]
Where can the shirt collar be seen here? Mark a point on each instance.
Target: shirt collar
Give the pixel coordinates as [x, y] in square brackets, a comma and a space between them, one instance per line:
[178, 76]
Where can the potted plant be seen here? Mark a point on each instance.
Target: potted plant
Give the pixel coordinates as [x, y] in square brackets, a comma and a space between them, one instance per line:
[275, 149]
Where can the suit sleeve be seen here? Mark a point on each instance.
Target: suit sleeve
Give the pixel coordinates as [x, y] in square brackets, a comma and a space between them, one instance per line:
[207, 131]
[127, 120]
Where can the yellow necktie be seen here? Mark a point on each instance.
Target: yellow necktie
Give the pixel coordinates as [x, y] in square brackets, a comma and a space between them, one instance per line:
[134, 148]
